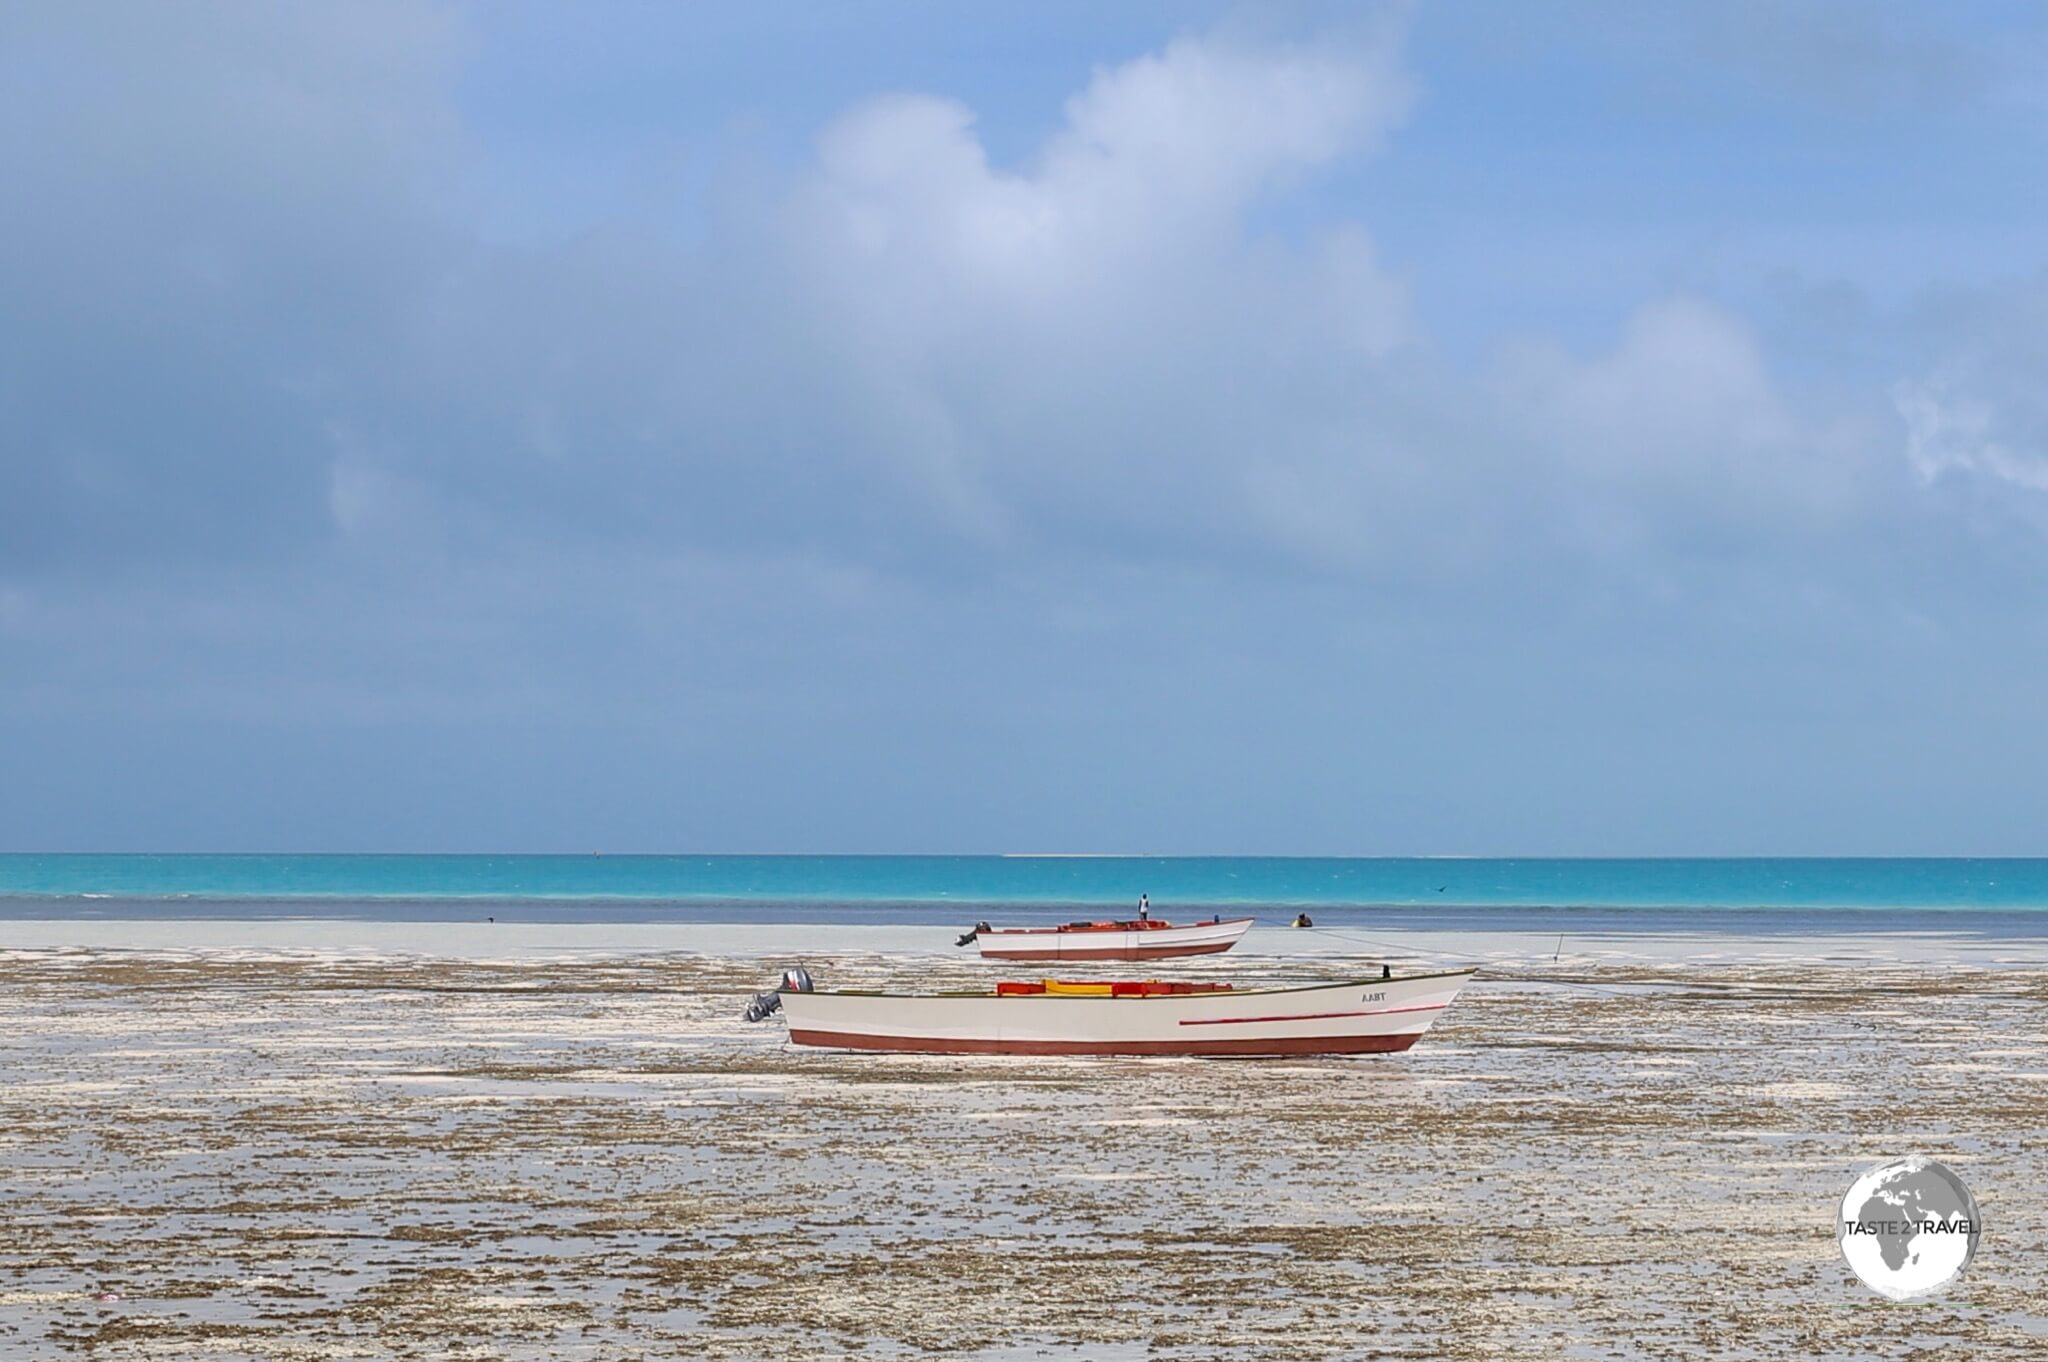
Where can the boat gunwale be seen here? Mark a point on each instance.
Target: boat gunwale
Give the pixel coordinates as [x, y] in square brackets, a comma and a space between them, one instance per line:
[1146, 997]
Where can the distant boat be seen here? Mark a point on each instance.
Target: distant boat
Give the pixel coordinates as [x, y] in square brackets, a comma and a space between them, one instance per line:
[1364, 1016]
[1137, 939]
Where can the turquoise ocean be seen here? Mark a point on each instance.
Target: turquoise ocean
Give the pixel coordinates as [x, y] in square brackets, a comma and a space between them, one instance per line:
[2005, 897]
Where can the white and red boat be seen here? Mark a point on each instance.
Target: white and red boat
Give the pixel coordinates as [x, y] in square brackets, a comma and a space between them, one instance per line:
[1136, 939]
[1364, 1016]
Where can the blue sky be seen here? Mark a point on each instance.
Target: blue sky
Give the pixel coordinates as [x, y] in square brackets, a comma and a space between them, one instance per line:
[1578, 429]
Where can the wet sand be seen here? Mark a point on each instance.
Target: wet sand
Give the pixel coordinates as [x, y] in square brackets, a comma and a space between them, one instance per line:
[352, 1152]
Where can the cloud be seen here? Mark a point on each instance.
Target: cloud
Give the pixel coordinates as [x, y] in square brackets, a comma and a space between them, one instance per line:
[902, 353]
[1975, 421]
[1168, 148]
[1685, 384]
[1092, 345]
[1949, 433]
[1134, 343]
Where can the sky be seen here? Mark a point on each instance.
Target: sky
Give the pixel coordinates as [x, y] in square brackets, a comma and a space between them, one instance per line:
[1579, 429]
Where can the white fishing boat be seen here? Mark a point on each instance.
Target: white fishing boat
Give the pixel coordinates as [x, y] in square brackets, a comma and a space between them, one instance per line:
[1136, 939]
[1051, 1017]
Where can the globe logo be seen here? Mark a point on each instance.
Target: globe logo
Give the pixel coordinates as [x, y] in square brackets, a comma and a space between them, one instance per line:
[1909, 1227]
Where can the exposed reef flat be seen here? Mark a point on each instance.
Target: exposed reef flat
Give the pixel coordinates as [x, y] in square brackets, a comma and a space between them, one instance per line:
[327, 1154]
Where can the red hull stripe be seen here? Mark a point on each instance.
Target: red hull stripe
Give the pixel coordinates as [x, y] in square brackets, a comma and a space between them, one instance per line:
[1316, 1016]
[1291, 1045]
[1112, 952]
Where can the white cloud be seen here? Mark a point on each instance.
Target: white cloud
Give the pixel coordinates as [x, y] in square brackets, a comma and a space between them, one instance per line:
[1976, 421]
[1094, 343]
[1678, 429]
[1161, 152]
[1949, 433]
[1684, 383]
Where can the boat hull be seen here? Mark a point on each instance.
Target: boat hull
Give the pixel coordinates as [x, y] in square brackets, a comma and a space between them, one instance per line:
[1375, 1016]
[1153, 943]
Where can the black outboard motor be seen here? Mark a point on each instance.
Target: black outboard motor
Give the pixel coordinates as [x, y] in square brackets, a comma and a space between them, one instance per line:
[972, 932]
[766, 1005]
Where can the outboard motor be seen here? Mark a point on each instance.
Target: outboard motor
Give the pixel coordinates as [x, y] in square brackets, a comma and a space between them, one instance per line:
[976, 930]
[766, 1005]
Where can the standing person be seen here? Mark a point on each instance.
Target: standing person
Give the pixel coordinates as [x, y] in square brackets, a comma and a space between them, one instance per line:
[1144, 907]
